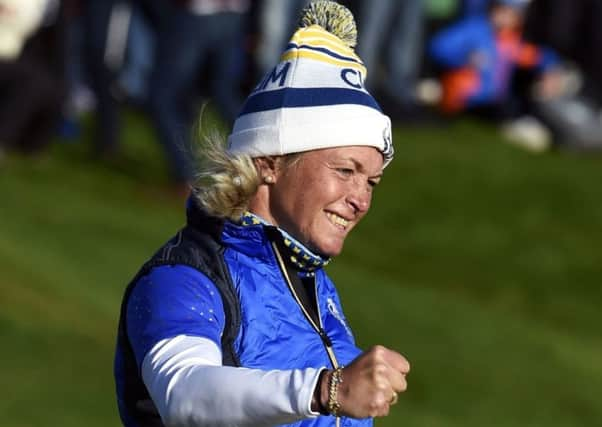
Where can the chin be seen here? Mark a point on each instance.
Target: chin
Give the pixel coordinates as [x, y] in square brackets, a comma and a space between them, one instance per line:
[330, 249]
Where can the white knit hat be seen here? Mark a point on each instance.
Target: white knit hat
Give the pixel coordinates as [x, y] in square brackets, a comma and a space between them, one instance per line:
[315, 97]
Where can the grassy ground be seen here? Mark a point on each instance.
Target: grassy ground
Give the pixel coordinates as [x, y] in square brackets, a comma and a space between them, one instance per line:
[480, 262]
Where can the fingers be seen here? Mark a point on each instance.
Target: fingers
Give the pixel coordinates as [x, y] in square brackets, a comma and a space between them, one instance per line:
[390, 369]
[396, 369]
[397, 366]
[372, 383]
[395, 360]
[379, 403]
[382, 406]
[397, 381]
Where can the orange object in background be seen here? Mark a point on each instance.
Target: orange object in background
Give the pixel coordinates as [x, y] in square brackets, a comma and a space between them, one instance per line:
[458, 85]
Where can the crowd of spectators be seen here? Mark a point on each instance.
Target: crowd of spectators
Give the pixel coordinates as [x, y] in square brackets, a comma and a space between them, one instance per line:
[530, 66]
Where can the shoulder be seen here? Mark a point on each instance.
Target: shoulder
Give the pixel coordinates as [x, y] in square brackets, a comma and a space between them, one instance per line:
[173, 300]
[177, 285]
[175, 293]
[174, 280]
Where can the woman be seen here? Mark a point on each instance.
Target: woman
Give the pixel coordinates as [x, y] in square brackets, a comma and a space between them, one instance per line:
[234, 321]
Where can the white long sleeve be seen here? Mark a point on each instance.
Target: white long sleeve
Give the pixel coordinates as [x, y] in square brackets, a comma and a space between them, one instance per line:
[190, 388]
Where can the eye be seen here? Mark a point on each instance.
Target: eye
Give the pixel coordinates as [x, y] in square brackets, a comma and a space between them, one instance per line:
[372, 183]
[345, 171]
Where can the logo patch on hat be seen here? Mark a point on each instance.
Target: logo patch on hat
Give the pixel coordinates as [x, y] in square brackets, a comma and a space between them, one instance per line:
[388, 150]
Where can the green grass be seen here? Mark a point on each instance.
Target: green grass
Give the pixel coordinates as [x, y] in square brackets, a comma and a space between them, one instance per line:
[480, 262]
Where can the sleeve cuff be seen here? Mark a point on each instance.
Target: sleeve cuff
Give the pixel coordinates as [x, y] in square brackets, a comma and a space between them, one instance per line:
[309, 396]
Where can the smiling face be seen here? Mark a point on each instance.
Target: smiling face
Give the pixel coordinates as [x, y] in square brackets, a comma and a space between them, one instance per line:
[323, 195]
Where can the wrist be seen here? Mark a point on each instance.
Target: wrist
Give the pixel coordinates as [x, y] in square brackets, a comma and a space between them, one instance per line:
[320, 396]
[335, 378]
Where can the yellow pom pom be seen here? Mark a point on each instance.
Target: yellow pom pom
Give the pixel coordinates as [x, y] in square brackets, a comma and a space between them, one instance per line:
[333, 17]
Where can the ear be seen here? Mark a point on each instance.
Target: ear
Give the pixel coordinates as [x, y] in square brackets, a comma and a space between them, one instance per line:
[267, 168]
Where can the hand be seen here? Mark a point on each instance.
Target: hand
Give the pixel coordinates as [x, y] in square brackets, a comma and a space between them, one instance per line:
[370, 383]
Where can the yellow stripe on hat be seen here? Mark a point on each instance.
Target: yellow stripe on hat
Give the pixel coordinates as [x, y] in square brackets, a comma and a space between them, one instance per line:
[327, 44]
[315, 33]
[322, 57]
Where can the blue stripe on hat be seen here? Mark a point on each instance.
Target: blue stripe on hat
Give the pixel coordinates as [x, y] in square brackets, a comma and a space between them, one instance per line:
[306, 97]
[323, 50]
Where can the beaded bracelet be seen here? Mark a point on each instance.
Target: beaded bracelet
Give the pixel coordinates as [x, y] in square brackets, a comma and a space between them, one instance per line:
[336, 378]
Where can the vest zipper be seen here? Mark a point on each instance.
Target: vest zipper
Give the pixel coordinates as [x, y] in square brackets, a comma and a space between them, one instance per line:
[318, 328]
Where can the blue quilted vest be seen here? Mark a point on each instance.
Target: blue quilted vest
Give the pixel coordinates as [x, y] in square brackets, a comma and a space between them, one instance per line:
[266, 326]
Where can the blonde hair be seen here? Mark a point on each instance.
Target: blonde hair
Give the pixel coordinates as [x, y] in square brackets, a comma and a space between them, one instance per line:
[224, 183]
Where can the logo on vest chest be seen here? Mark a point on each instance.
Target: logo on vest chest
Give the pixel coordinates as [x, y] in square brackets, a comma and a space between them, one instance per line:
[332, 307]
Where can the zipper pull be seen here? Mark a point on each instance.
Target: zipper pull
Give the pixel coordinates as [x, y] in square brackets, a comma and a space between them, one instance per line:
[325, 338]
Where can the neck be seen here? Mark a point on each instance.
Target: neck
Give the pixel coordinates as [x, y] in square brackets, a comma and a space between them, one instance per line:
[297, 254]
[260, 204]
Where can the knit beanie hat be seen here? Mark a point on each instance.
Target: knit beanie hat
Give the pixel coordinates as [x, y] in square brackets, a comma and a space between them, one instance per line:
[315, 97]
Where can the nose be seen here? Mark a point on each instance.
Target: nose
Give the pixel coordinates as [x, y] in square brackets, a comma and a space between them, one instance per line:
[359, 198]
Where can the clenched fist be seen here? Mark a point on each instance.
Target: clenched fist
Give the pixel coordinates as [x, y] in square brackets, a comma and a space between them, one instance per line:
[369, 384]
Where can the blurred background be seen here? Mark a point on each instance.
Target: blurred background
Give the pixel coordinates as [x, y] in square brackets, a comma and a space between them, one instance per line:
[481, 260]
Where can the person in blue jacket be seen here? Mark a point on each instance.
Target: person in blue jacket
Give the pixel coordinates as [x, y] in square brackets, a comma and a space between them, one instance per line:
[234, 322]
[480, 53]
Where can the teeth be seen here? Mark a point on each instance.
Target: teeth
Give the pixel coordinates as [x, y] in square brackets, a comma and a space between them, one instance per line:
[337, 219]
